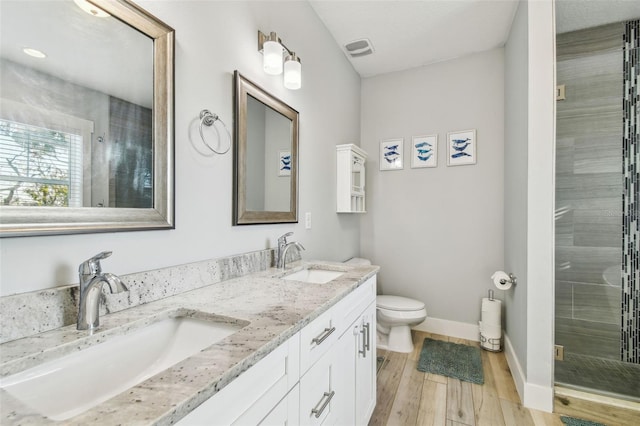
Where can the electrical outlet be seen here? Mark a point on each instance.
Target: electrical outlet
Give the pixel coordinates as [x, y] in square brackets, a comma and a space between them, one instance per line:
[559, 352]
[307, 220]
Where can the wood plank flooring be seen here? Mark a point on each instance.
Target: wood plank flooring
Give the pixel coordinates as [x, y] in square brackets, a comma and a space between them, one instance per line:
[407, 396]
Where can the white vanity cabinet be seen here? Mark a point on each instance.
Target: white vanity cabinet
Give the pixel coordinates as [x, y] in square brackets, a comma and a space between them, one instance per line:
[323, 375]
[270, 384]
[342, 381]
[350, 178]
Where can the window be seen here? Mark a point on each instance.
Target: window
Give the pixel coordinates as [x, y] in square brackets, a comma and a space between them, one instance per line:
[40, 166]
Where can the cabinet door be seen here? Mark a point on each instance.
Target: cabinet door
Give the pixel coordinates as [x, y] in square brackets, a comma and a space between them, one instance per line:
[365, 366]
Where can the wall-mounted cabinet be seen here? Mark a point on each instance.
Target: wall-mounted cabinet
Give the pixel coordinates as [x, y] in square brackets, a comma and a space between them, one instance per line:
[350, 168]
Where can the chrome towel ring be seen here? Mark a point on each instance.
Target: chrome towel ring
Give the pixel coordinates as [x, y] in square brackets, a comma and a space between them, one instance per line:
[208, 119]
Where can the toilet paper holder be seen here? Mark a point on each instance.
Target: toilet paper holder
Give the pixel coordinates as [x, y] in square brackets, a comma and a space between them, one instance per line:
[512, 278]
[502, 278]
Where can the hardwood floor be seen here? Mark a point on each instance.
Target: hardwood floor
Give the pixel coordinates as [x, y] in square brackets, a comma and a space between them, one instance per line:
[407, 396]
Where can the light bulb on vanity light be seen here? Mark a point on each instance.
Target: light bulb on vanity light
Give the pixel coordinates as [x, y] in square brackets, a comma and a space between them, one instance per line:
[272, 55]
[292, 72]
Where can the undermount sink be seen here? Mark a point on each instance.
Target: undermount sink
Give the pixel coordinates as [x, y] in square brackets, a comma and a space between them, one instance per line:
[69, 385]
[316, 276]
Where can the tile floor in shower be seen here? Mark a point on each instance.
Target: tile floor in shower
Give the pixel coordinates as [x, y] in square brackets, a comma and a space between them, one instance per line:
[598, 374]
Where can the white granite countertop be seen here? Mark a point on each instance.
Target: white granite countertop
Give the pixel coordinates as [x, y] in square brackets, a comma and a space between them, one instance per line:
[274, 308]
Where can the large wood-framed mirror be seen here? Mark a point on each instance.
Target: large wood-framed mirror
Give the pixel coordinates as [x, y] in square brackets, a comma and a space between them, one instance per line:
[87, 124]
[265, 156]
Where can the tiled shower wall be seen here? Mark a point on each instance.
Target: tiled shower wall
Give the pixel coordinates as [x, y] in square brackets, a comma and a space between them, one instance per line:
[630, 348]
[589, 191]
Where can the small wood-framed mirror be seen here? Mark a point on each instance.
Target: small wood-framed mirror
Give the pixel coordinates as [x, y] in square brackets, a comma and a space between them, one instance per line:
[265, 180]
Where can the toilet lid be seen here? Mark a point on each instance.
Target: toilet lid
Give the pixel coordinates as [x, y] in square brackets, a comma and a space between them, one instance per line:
[398, 303]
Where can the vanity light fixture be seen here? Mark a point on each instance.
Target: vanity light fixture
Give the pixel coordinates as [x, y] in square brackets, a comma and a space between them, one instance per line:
[91, 9]
[272, 49]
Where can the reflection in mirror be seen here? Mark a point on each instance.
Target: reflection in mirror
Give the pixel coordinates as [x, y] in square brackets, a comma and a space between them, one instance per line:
[85, 124]
[266, 141]
[268, 158]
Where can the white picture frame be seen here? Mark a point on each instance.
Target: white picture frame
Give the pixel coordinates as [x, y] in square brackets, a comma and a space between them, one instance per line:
[391, 154]
[461, 148]
[424, 151]
[284, 163]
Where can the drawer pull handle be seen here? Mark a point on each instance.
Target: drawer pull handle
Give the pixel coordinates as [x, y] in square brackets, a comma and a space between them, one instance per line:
[318, 411]
[365, 340]
[368, 336]
[322, 337]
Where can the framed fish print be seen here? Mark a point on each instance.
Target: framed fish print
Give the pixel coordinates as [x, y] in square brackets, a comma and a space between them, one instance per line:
[461, 148]
[284, 163]
[424, 151]
[391, 154]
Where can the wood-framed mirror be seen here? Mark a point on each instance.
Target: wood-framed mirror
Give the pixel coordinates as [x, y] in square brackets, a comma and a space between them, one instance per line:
[87, 127]
[265, 179]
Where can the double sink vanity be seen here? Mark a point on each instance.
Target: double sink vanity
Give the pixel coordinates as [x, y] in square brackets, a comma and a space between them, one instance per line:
[274, 346]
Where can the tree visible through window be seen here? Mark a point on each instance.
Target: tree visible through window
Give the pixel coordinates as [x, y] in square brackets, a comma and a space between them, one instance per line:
[39, 167]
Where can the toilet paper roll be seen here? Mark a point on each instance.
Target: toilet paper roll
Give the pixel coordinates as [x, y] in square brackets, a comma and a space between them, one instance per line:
[501, 280]
[492, 313]
[491, 331]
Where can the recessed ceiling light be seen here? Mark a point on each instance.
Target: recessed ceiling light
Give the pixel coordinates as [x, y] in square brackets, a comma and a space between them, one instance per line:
[34, 52]
[91, 9]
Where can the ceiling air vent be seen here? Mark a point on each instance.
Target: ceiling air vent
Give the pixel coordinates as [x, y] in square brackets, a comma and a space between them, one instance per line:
[358, 48]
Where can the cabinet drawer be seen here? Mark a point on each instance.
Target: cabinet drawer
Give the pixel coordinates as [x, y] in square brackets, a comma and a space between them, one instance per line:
[287, 412]
[253, 394]
[317, 392]
[317, 337]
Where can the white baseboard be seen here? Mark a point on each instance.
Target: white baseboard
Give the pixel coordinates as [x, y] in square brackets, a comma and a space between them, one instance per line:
[532, 395]
[461, 330]
[514, 365]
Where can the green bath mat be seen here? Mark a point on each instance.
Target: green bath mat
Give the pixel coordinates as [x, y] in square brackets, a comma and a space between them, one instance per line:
[572, 421]
[452, 360]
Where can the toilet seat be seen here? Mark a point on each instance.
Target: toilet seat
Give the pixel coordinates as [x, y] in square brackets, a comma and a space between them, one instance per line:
[398, 303]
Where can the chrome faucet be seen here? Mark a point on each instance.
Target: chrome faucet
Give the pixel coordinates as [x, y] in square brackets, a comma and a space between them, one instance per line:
[283, 247]
[295, 244]
[282, 243]
[91, 280]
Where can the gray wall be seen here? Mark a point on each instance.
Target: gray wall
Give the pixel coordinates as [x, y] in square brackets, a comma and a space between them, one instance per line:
[515, 186]
[277, 138]
[529, 198]
[256, 147]
[204, 72]
[589, 190]
[437, 233]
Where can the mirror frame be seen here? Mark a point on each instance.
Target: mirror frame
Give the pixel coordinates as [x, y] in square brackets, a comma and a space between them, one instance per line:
[32, 221]
[242, 88]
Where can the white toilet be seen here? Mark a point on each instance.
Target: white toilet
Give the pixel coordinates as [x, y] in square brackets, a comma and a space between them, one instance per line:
[395, 316]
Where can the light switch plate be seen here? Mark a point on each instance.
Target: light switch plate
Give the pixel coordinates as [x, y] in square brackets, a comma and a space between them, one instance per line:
[307, 220]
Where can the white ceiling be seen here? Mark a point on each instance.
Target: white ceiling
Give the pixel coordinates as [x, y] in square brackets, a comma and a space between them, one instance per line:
[407, 34]
[411, 33]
